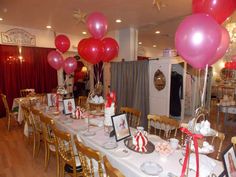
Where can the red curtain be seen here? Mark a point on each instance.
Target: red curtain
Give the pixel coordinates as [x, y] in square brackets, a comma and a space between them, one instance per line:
[24, 67]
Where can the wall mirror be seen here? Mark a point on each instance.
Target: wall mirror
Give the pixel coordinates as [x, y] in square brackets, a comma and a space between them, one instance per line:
[159, 80]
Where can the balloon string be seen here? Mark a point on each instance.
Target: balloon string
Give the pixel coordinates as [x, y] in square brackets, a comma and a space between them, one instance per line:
[204, 87]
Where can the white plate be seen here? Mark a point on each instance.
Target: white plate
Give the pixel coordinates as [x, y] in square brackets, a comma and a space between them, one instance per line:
[122, 152]
[110, 145]
[151, 168]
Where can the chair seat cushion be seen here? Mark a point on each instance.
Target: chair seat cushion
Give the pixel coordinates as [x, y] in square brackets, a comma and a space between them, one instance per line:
[69, 169]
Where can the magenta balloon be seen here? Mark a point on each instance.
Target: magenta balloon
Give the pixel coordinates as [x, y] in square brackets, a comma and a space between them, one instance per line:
[62, 43]
[197, 39]
[111, 49]
[97, 25]
[70, 65]
[55, 59]
[222, 48]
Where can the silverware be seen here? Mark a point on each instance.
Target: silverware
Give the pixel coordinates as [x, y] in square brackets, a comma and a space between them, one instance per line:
[169, 174]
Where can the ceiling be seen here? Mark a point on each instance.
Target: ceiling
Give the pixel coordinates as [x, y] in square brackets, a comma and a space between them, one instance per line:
[140, 14]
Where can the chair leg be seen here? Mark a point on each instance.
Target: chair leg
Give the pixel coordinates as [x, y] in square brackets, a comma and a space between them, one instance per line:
[48, 157]
[34, 144]
[45, 155]
[58, 165]
[38, 143]
[8, 123]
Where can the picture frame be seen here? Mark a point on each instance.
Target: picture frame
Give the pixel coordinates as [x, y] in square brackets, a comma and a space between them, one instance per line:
[69, 105]
[229, 161]
[51, 99]
[120, 126]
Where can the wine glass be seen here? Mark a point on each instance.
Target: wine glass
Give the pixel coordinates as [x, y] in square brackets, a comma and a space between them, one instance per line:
[88, 132]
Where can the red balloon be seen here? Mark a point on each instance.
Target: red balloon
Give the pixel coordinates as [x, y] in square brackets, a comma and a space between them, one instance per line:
[97, 25]
[222, 48]
[81, 46]
[111, 49]
[62, 43]
[197, 39]
[70, 65]
[219, 9]
[93, 50]
[55, 59]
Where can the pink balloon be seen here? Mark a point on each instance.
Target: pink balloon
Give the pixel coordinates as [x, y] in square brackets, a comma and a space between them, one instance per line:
[62, 43]
[222, 48]
[197, 39]
[55, 59]
[97, 25]
[70, 65]
[233, 58]
[111, 49]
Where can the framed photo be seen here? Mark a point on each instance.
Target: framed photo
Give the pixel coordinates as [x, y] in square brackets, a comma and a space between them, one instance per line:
[69, 105]
[229, 160]
[120, 126]
[52, 99]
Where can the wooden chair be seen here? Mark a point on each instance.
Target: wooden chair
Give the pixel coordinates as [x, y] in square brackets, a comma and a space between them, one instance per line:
[9, 114]
[82, 101]
[25, 92]
[233, 140]
[110, 170]
[133, 116]
[220, 136]
[37, 129]
[88, 157]
[49, 140]
[69, 161]
[163, 124]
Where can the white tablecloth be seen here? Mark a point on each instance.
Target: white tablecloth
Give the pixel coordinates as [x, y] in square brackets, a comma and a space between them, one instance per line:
[129, 165]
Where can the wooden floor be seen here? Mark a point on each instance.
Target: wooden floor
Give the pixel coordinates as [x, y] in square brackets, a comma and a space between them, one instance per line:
[16, 154]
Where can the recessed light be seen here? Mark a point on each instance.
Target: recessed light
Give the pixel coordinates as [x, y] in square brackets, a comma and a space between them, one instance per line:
[1, 19]
[48, 27]
[118, 20]
[154, 46]
[157, 32]
[84, 32]
[140, 43]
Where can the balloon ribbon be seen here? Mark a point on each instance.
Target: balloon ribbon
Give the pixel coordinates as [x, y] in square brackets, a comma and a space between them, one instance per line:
[195, 137]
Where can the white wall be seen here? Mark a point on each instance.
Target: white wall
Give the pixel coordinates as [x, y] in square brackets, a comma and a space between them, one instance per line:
[152, 52]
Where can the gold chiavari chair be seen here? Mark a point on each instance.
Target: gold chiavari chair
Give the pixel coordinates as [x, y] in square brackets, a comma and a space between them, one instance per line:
[133, 116]
[49, 140]
[220, 137]
[163, 124]
[9, 114]
[88, 157]
[25, 92]
[82, 101]
[233, 141]
[37, 129]
[110, 170]
[70, 163]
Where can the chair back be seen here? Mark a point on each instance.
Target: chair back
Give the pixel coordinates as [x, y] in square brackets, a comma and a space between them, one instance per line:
[87, 158]
[25, 92]
[110, 170]
[233, 140]
[5, 103]
[82, 101]
[133, 116]
[35, 114]
[220, 136]
[64, 147]
[163, 124]
[26, 114]
[47, 125]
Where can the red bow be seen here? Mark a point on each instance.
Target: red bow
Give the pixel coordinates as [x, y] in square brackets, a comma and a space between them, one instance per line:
[195, 137]
[111, 97]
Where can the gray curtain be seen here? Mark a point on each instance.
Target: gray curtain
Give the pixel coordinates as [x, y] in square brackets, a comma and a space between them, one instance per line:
[130, 81]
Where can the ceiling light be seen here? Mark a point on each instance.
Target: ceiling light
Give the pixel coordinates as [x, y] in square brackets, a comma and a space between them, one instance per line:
[154, 46]
[140, 43]
[84, 32]
[48, 27]
[118, 20]
[157, 32]
[1, 19]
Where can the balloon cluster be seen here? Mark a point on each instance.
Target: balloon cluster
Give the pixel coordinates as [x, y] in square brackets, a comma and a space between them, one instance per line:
[96, 49]
[55, 58]
[200, 39]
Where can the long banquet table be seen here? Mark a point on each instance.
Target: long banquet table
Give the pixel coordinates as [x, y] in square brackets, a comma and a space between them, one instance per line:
[130, 164]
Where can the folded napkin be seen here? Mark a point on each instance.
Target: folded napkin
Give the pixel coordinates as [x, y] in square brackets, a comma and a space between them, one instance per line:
[206, 164]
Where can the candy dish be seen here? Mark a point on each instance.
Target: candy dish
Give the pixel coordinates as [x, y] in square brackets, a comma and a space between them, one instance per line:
[151, 168]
